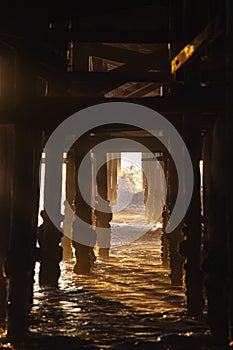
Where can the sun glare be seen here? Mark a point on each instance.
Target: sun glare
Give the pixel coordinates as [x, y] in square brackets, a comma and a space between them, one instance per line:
[131, 169]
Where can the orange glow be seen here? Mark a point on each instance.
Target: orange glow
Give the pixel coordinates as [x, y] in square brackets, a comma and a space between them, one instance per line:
[182, 57]
[96, 250]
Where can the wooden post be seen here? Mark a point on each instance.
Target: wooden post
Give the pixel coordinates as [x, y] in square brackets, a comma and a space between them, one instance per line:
[6, 178]
[165, 218]
[113, 168]
[83, 252]
[164, 240]
[70, 198]
[22, 238]
[193, 278]
[80, 57]
[174, 238]
[50, 232]
[228, 155]
[215, 265]
[103, 238]
[25, 194]
[219, 265]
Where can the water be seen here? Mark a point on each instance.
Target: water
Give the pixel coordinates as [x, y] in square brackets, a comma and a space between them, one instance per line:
[127, 302]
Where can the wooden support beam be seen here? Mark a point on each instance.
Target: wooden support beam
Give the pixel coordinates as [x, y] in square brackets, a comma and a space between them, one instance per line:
[212, 31]
[217, 245]
[143, 90]
[80, 57]
[83, 248]
[114, 76]
[112, 36]
[158, 60]
[113, 169]
[53, 183]
[194, 277]
[70, 200]
[173, 238]
[103, 229]
[114, 53]
[218, 211]
[228, 153]
[6, 177]
[22, 239]
[50, 111]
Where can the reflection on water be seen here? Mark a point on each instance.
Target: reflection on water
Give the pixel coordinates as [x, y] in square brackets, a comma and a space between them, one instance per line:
[127, 302]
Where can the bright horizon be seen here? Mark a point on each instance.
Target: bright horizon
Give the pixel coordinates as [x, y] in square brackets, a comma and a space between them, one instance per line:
[131, 158]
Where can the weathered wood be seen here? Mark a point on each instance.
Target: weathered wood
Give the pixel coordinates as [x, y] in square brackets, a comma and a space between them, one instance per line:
[113, 169]
[80, 57]
[114, 53]
[70, 199]
[164, 240]
[216, 264]
[50, 111]
[218, 199]
[83, 251]
[194, 277]
[6, 176]
[22, 238]
[228, 155]
[102, 217]
[173, 238]
[122, 21]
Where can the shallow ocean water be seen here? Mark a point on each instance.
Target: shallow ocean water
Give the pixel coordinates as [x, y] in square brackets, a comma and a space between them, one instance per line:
[126, 302]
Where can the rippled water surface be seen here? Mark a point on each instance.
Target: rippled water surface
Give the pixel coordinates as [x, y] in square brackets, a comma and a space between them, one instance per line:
[127, 302]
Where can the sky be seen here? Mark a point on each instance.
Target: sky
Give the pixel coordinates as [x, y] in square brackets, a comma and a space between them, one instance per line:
[130, 158]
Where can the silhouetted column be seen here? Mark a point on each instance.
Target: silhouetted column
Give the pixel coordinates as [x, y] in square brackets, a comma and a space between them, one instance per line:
[83, 249]
[165, 218]
[228, 155]
[70, 199]
[174, 238]
[164, 240]
[218, 210]
[154, 188]
[19, 265]
[193, 277]
[22, 239]
[50, 232]
[215, 265]
[113, 168]
[37, 151]
[103, 237]
[6, 180]
[80, 57]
